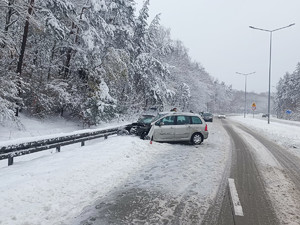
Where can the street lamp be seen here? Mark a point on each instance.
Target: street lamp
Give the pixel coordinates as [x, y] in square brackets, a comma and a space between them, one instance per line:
[245, 74]
[270, 31]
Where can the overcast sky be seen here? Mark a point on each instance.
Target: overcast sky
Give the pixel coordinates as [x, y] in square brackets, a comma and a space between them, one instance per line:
[218, 36]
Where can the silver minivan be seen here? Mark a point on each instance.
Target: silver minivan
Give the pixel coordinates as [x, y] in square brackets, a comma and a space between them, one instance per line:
[179, 126]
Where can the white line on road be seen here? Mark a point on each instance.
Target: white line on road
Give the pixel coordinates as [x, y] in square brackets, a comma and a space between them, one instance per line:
[238, 210]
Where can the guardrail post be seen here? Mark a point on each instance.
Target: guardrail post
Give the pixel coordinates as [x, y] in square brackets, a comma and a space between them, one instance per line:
[10, 161]
[82, 143]
[58, 149]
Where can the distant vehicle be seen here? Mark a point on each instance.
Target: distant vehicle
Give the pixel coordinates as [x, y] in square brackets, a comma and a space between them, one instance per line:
[208, 117]
[265, 115]
[177, 127]
[222, 116]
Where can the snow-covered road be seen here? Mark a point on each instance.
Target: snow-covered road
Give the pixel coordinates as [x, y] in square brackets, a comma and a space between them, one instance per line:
[274, 148]
[49, 188]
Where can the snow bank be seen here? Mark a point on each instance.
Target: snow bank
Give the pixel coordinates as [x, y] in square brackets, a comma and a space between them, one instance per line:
[283, 132]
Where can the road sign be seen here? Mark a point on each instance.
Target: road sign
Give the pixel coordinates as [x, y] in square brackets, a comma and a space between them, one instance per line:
[288, 112]
[253, 107]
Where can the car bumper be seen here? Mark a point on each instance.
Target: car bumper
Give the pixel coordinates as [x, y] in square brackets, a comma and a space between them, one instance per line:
[205, 134]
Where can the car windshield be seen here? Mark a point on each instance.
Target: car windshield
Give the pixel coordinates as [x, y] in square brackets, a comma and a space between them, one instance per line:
[145, 119]
[160, 115]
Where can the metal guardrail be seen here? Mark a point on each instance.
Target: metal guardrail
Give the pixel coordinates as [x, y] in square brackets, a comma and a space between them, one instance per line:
[11, 151]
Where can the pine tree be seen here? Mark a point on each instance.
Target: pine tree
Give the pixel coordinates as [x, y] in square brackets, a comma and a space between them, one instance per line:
[140, 32]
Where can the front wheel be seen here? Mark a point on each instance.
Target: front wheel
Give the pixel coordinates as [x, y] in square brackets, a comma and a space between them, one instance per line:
[143, 135]
[122, 132]
[197, 139]
[132, 130]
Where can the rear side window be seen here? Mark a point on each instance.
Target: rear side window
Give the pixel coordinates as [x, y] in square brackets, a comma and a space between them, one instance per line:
[196, 120]
[181, 120]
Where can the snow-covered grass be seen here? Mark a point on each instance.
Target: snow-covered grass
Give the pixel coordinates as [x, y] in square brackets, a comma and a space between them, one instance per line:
[53, 188]
[33, 129]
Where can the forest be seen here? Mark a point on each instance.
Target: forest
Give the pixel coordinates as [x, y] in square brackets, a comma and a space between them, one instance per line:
[97, 60]
[287, 97]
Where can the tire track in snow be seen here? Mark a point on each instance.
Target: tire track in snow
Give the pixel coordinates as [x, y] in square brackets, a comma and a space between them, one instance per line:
[280, 172]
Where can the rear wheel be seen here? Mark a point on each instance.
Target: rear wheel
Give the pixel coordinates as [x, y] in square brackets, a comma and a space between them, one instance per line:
[197, 139]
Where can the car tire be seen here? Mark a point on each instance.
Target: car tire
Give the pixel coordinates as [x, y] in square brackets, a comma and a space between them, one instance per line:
[132, 130]
[143, 135]
[197, 139]
[122, 132]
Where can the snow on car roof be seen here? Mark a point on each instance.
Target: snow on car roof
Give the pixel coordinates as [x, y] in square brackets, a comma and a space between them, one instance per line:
[182, 113]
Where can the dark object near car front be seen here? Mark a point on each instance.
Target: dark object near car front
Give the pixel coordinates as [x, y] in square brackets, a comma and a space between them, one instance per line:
[141, 126]
[144, 128]
[208, 117]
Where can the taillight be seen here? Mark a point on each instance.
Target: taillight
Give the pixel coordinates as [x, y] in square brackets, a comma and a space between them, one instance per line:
[205, 127]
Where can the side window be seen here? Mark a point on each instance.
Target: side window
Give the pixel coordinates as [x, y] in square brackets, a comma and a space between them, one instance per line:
[196, 120]
[181, 120]
[169, 120]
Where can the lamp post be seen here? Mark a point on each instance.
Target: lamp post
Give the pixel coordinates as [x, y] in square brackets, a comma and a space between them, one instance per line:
[271, 32]
[245, 74]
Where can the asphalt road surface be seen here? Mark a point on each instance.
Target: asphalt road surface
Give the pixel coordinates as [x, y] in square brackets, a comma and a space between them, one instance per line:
[257, 207]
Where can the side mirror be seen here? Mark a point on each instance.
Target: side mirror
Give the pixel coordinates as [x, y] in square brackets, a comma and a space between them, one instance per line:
[161, 123]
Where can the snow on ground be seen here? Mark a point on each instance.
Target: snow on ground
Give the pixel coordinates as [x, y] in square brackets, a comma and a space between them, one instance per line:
[281, 189]
[33, 129]
[54, 188]
[283, 132]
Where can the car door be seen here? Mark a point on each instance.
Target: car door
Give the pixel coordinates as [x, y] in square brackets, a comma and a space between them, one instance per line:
[183, 128]
[164, 129]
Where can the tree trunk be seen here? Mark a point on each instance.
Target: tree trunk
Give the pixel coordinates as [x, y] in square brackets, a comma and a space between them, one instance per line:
[51, 59]
[69, 52]
[7, 20]
[25, 35]
[67, 65]
[9, 14]
[23, 46]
